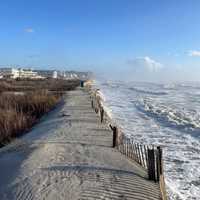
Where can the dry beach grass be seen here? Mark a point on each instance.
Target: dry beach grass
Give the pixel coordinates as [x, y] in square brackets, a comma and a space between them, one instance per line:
[19, 112]
[32, 85]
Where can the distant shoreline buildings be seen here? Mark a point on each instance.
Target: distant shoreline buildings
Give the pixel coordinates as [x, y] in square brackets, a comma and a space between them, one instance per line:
[22, 73]
[13, 73]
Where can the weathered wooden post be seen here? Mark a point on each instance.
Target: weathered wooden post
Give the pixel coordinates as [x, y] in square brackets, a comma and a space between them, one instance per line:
[161, 159]
[82, 83]
[96, 110]
[102, 114]
[115, 135]
[142, 155]
[146, 156]
[159, 164]
[96, 106]
[151, 165]
[92, 103]
[139, 155]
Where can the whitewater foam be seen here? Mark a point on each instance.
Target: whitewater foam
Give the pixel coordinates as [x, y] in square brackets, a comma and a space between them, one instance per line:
[147, 92]
[171, 117]
[166, 115]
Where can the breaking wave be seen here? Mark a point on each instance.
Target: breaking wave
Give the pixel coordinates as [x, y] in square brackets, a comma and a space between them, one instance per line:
[147, 92]
[171, 117]
[166, 114]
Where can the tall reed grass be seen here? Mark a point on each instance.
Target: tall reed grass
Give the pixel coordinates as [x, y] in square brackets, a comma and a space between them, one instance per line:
[19, 112]
[32, 85]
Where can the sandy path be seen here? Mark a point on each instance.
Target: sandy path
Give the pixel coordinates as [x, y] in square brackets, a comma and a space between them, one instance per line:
[69, 156]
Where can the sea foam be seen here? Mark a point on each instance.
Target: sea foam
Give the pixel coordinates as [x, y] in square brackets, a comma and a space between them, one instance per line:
[165, 115]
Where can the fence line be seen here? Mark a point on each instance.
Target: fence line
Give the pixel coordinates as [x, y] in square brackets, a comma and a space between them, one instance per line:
[148, 157]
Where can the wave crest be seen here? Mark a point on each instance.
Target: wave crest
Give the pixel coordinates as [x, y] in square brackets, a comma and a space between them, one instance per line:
[147, 91]
[170, 117]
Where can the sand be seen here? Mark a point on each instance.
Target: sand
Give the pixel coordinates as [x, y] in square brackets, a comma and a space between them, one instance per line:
[69, 156]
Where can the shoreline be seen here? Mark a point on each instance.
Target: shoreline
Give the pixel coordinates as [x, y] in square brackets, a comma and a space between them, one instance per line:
[122, 139]
[69, 155]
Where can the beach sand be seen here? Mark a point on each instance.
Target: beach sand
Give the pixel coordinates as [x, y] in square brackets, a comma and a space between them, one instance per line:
[69, 155]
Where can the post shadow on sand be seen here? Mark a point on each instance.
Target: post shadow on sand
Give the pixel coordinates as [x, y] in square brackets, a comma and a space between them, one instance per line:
[113, 183]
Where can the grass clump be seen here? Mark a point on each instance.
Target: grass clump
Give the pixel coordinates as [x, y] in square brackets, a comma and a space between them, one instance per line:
[18, 113]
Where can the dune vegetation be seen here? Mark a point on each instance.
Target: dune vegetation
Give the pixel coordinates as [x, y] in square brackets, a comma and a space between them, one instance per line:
[20, 111]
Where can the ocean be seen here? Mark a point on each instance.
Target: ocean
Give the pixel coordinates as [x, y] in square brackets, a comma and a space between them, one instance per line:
[162, 114]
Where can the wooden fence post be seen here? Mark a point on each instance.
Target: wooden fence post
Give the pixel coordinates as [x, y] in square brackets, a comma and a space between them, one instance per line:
[139, 155]
[96, 110]
[151, 165]
[161, 159]
[82, 83]
[115, 135]
[102, 114]
[159, 164]
[142, 154]
[146, 156]
[92, 103]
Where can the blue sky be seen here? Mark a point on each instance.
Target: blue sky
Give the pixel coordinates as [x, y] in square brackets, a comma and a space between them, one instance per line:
[157, 36]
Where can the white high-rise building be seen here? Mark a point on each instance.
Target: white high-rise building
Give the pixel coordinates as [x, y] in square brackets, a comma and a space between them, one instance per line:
[55, 74]
[19, 73]
[9, 73]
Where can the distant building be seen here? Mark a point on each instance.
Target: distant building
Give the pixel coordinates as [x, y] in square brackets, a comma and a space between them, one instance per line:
[55, 74]
[45, 73]
[27, 73]
[9, 73]
[15, 73]
[19, 73]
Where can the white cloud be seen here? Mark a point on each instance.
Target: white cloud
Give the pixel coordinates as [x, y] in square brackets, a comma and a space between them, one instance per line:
[194, 53]
[29, 30]
[145, 64]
